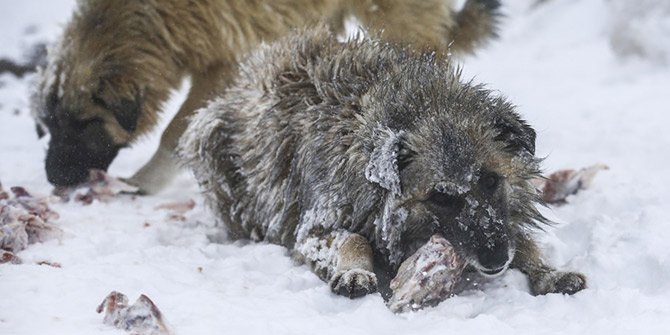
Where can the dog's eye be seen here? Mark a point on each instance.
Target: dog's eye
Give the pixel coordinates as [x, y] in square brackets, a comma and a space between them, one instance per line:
[489, 181]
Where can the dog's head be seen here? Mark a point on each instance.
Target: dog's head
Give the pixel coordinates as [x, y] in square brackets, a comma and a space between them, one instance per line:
[455, 163]
[88, 126]
[89, 104]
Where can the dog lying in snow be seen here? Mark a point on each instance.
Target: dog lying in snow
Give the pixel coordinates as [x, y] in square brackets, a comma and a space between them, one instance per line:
[353, 155]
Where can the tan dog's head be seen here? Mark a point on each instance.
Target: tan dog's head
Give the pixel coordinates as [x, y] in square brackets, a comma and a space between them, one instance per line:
[89, 100]
[88, 119]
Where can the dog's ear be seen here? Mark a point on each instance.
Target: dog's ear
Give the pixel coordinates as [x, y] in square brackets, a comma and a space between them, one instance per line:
[515, 133]
[386, 160]
[126, 110]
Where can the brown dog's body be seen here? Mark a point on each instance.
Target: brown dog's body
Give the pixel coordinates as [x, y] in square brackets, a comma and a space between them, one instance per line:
[118, 61]
[353, 155]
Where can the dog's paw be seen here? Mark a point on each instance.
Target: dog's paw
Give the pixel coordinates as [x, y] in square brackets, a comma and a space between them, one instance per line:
[559, 282]
[569, 282]
[354, 283]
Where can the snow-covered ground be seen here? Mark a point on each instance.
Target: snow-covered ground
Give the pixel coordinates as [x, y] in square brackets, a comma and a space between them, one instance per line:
[592, 77]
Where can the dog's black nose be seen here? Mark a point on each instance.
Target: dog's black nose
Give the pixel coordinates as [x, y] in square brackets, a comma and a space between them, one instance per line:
[68, 162]
[493, 260]
[60, 173]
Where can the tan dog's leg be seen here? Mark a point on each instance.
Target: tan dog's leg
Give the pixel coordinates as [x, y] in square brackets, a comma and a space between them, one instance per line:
[163, 166]
[544, 278]
[354, 276]
[341, 258]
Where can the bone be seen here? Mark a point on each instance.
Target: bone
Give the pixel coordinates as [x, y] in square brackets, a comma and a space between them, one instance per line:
[563, 183]
[100, 186]
[140, 318]
[427, 277]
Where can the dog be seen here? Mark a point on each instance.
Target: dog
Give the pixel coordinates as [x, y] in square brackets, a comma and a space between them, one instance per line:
[107, 79]
[352, 155]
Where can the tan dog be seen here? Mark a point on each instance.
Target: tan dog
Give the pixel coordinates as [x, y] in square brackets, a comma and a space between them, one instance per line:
[117, 62]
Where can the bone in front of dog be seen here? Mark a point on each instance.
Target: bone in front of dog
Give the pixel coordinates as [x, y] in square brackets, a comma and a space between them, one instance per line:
[140, 318]
[427, 277]
[563, 183]
[100, 186]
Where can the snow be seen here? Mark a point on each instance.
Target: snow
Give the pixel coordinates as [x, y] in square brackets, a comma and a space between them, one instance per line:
[558, 61]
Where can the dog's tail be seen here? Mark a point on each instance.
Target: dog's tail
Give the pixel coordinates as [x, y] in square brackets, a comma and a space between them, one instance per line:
[475, 25]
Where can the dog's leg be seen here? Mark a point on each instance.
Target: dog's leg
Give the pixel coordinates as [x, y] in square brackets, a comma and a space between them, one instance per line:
[354, 276]
[163, 166]
[343, 259]
[544, 278]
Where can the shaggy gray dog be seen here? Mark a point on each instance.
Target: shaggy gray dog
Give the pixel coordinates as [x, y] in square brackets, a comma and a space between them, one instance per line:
[353, 155]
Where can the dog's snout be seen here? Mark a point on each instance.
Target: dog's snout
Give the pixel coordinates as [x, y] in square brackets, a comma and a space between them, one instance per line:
[68, 164]
[445, 204]
[62, 166]
[493, 260]
[66, 176]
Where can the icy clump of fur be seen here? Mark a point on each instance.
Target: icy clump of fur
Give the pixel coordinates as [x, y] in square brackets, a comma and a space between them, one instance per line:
[322, 253]
[382, 169]
[320, 216]
[390, 227]
[383, 166]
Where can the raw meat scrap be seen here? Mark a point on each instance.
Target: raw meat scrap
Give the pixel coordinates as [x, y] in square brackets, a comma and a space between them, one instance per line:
[177, 209]
[37, 206]
[24, 220]
[427, 277]
[100, 186]
[8, 257]
[140, 318]
[180, 207]
[562, 183]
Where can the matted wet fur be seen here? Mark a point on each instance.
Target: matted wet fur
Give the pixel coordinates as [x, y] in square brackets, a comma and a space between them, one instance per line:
[107, 79]
[353, 155]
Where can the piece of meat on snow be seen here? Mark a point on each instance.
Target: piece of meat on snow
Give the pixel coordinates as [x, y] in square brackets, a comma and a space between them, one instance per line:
[427, 277]
[140, 318]
[100, 186]
[559, 185]
[24, 219]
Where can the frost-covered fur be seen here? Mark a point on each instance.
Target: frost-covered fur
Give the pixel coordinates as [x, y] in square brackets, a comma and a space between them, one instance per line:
[107, 79]
[353, 155]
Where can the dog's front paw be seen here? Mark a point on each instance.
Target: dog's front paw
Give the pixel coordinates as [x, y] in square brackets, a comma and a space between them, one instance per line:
[354, 283]
[569, 282]
[559, 282]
